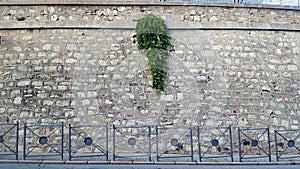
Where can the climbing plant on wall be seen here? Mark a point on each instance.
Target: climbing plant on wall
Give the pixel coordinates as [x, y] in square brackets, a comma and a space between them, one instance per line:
[153, 38]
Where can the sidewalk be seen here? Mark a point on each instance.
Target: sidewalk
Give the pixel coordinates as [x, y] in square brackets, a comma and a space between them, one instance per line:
[146, 162]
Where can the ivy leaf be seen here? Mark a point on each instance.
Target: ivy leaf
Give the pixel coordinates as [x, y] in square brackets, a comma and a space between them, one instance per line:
[153, 38]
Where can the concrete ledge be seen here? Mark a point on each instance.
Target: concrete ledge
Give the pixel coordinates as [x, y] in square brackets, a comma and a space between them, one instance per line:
[76, 162]
[98, 162]
[130, 25]
[52, 162]
[121, 162]
[143, 162]
[143, 3]
[233, 26]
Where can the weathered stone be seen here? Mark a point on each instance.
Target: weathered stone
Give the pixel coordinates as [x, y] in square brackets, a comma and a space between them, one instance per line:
[275, 121]
[18, 100]
[62, 103]
[51, 9]
[228, 61]
[115, 13]
[217, 109]
[57, 61]
[296, 50]
[92, 94]
[266, 88]
[197, 18]
[189, 18]
[215, 77]
[117, 76]
[121, 8]
[71, 47]
[42, 95]
[54, 17]
[284, 123]
[61, 18]
[71, 61]
[47, 47]
[107, 12]
[210, 123]
[92, 62]
[24, 83]
[85, 102]
[193, 12]
[62, 88]
[251, 116]
[167, 97]
[48, 102]
[292, 67]
[17, 48]
[213, 19]
[296, 127]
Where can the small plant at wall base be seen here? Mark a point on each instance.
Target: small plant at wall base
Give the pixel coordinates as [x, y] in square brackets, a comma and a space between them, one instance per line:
[153, 38]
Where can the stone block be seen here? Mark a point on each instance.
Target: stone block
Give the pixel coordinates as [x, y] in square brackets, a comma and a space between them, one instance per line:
[42, 95]
[85, 102]
[213, 19]
[71, 47]
[18, 48]
[121, 8]
[62, 88]
[92, 94]
[48, 102]
[23, 83]
[292, 67]
[57, 61]
[71, 61]
[47, 47]
[18, 100]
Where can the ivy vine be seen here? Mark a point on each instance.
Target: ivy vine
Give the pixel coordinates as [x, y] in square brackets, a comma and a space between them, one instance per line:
[154, 39]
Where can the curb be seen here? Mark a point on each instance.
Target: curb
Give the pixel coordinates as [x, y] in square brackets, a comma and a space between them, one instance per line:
[145, 162]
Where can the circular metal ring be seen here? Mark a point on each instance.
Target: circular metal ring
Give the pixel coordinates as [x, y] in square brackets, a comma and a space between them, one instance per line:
[291, 143]
[254, 143]
[131, 141]
[174, 142]
[43, 140]
[214, 142]
[88, 141]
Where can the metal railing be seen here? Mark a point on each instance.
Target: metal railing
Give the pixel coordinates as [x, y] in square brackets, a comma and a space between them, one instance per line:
[174, 143]
[254, 143]
[219, 145]
[84, 146]
[131, 142]
[10, 147]
[42, 141]
[286, 144]
[182, 143]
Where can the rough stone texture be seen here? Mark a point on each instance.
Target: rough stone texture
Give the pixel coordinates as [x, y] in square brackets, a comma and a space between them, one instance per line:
[209, 13]
[97, 76]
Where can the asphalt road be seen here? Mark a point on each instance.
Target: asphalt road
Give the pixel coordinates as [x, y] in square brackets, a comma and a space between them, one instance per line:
[152, 166]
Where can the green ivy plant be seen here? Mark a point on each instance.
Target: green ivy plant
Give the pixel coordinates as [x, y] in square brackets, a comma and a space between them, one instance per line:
[154, 39]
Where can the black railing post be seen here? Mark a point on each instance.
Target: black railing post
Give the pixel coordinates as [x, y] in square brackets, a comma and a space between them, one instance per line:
[24, 146]
[231, 143]
[17, 140]
[70, 146]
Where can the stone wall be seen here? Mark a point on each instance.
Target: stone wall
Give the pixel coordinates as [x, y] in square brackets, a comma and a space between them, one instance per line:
[172, 11]
[53, 71]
